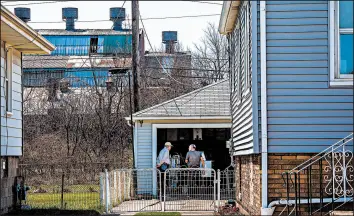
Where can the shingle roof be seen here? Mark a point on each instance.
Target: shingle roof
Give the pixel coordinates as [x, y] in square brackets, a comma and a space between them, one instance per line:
[211, 100]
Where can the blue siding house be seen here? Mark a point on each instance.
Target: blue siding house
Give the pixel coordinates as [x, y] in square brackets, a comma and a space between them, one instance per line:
[291, 66]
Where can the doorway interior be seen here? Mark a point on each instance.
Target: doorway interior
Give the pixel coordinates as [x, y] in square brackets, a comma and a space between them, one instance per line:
[212, 141]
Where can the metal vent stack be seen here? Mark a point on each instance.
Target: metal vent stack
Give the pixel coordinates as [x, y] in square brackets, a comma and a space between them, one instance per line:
[117, 16]
[23, 13]
[70, 15]
[169, 38]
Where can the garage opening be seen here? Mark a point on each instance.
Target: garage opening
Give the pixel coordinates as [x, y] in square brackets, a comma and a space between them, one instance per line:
[210, 141]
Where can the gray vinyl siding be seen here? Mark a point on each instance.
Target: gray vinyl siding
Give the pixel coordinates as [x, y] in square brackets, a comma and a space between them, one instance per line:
[304, 113]
[241, 109]
[11, 128]
[144, 146]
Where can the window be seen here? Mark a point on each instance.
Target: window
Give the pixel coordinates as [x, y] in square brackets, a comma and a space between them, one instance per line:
[8, 81]
[93, 45]
[341, 43]
[247, 43]
[236, 63]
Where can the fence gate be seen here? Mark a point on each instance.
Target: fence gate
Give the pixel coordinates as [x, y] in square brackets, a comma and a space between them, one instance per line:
[193, 189]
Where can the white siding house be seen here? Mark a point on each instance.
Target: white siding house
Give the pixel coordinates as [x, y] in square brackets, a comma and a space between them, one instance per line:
[16, 38]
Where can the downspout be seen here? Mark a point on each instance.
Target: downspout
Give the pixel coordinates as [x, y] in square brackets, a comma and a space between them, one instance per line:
[263, 42]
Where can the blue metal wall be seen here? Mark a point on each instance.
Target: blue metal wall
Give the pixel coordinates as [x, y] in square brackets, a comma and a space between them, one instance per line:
[305, 114]
[80, 44]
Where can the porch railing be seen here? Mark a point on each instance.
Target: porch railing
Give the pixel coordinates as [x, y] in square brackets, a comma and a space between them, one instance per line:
[324, 183]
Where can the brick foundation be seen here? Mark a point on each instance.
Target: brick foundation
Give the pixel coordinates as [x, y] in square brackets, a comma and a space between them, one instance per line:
[277, 164]
[248, 180]
[7, 184]
[248, 184]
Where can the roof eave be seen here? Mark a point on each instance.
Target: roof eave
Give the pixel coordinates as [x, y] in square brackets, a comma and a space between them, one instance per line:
[137, 118]
[45, 47]
[228, 16]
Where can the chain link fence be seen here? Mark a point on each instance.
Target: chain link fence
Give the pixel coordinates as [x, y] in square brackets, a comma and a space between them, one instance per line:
[64, 186]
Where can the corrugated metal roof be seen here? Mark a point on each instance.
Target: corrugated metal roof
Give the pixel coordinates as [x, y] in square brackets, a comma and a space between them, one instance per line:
[99, 62]
[82, 32]
[45, 61]
[75, 62]
[211, 100]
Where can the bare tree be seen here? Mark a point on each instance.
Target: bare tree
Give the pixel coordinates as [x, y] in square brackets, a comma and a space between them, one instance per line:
[210, 56]
[80, 117]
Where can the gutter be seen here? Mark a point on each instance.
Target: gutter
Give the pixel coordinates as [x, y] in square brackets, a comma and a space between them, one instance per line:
[265, 210]
[137, 118]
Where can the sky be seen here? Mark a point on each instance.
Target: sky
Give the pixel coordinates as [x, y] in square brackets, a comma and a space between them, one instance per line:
[190, 30]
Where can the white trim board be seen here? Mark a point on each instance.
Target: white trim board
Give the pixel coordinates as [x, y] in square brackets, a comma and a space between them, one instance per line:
[180, 117]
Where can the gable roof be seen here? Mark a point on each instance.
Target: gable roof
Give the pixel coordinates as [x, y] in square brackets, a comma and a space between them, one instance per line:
[209, 102]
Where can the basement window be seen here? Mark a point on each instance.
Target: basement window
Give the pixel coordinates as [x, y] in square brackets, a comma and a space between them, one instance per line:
[93, 45]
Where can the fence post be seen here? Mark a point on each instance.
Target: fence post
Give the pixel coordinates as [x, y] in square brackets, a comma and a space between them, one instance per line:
[62, 190]
[107, 191]
[101, 189]
[164, 190]
[119, 188]
[115, 185]
[219, 182]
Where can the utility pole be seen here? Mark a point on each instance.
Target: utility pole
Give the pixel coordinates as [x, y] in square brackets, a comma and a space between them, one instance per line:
[135, 54]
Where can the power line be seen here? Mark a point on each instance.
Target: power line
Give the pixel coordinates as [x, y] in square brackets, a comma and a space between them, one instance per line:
[103, 57]
[118, 14]
[149, 18]
[203, 2]
[163, 69]
[81, 69]
[36, 3]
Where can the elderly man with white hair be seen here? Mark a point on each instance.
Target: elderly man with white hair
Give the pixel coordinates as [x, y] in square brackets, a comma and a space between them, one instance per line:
[163, 160]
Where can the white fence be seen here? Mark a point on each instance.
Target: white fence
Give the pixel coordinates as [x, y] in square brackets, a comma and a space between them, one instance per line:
[177, 189]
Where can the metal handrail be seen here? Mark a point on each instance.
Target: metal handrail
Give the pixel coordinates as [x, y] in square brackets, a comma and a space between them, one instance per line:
[330, 189]
[322, 154]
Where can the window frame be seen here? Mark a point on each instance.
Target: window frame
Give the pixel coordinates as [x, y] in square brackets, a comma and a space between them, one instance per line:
[336, 79]
[238, 63]
[247, 49]
[8, 81]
